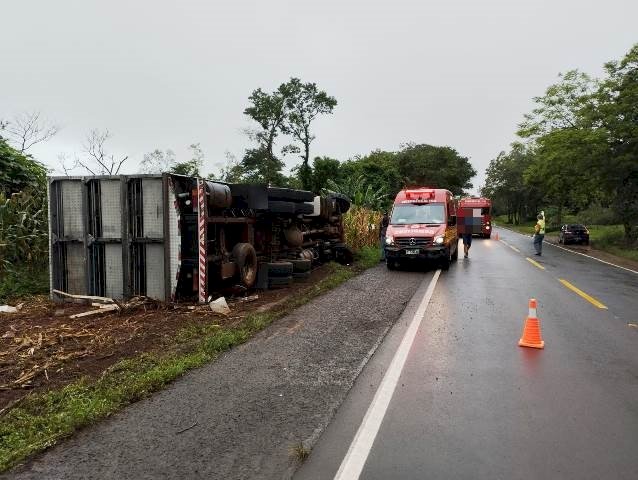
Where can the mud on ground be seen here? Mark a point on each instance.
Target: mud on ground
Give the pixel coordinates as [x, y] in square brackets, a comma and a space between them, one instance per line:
[42, 348]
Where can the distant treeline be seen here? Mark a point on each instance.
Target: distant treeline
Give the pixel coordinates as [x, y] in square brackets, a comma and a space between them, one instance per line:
[578, 152]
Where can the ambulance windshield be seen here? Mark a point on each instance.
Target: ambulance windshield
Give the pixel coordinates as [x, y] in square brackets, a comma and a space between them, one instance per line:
[411, 213]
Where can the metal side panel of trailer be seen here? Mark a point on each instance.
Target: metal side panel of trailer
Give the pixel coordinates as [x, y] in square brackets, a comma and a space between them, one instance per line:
[111, 236]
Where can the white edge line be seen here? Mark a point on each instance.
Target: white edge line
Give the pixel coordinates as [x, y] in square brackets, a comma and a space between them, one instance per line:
[576, 253]
[354, 461]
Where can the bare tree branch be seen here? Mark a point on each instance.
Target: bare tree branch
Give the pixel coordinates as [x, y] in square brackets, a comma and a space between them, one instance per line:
[98, 159]
[28, 129]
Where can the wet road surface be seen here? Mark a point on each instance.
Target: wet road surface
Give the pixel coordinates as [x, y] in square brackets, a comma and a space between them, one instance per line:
[470, 403]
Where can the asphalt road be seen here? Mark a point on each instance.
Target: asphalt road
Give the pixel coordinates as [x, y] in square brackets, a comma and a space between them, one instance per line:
[468, 402]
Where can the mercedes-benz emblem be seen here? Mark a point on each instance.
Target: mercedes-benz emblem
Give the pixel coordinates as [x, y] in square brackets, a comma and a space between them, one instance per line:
[412, 242]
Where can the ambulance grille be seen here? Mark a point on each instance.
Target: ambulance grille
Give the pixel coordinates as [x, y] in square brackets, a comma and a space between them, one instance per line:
[407, 242]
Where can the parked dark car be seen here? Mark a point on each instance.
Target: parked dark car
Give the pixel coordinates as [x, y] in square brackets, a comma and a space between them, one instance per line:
[573, 233]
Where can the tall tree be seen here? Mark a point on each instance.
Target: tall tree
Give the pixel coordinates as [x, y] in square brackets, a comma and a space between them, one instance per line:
[305, 103]
[615, 119]
[270, 111]
[443, 167]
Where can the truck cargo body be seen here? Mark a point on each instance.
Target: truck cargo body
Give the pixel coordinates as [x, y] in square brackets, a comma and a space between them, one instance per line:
[173, 237]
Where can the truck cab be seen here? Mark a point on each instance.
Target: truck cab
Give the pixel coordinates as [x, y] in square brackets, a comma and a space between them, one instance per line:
[422, 228]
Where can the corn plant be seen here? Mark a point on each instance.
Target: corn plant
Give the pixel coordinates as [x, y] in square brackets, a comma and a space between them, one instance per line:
[23, 230]
[361, 227]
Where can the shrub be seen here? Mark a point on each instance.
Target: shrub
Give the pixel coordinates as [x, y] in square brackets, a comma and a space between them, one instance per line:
[361, 227]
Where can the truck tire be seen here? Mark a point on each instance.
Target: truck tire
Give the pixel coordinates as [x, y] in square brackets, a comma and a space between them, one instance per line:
[246, 260]
[301, 275]
[280, 281]
[290, 195]
[304, 209]
[280, 269]
[301, 266]
[276, 206]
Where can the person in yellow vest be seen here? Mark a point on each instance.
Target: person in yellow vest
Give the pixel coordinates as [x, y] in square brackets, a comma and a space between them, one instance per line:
[539, 233]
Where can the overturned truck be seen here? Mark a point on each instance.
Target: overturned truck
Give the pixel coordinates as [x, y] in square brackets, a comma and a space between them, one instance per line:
[179, 238]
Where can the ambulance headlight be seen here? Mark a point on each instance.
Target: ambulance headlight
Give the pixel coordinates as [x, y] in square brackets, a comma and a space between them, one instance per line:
[389, 240]
[438, 240]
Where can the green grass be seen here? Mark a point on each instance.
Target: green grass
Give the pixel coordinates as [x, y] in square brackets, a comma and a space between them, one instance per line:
[607, 238]
[42, 420]
[22, 282]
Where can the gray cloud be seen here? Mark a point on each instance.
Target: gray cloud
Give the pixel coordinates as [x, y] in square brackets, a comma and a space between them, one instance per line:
[163, 74]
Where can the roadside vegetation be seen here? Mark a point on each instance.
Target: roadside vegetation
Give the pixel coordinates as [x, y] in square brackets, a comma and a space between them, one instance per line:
[23, 225]
[577, 159]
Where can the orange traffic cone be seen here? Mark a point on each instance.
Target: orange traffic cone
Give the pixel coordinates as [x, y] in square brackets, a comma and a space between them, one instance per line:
[496, 237]
[532, 329]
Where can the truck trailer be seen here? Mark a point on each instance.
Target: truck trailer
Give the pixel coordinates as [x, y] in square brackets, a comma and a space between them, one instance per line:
[179, 238]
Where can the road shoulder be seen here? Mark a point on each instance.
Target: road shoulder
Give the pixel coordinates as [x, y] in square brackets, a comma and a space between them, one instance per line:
[241, 416]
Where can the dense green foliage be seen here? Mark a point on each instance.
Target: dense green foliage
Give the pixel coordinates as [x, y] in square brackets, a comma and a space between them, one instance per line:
[19, 170]
[23, 223]
[373, 180]
[581, 153]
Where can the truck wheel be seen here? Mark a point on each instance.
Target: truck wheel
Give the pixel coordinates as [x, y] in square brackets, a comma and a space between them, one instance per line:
[290, 195]
[246, 260]
[276, 206]
[280, 269]
[300, 266]
[280, 281]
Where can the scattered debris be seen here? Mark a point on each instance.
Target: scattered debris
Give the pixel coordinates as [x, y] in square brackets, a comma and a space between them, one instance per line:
[8, 309]
[102, 310]
[81, 298]
[187, 428]
[251, 298]
[220, 306]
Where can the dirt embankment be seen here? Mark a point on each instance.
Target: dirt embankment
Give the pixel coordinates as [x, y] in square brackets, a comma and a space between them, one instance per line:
[42, 347]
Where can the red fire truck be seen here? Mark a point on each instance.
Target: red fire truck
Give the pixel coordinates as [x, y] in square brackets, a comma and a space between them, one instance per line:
[485, 206]
[422, 227]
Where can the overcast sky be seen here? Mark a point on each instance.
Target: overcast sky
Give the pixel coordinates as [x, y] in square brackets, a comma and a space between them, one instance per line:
[162, 74]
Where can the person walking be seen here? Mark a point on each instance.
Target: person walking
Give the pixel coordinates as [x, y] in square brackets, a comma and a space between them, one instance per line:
[383, 228]
[467, 243]
[539, 233]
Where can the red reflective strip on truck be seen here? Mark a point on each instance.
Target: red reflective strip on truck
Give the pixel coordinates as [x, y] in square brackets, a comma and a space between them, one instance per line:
[201, 214]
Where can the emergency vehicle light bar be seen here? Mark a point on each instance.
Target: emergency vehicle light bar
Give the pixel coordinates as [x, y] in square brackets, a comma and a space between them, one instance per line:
[421, 194]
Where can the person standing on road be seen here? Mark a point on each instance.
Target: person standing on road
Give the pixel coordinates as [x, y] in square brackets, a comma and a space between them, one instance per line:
[383, 228]
[467, 243]
[539, 233]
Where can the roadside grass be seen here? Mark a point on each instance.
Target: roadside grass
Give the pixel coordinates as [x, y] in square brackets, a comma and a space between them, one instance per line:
[23, 281]
[40, 421]
[607, 238]
[299, 452]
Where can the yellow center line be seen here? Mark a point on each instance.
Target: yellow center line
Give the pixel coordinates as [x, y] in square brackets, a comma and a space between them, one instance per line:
[535, 263]
[578, 291]
[514, 248]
